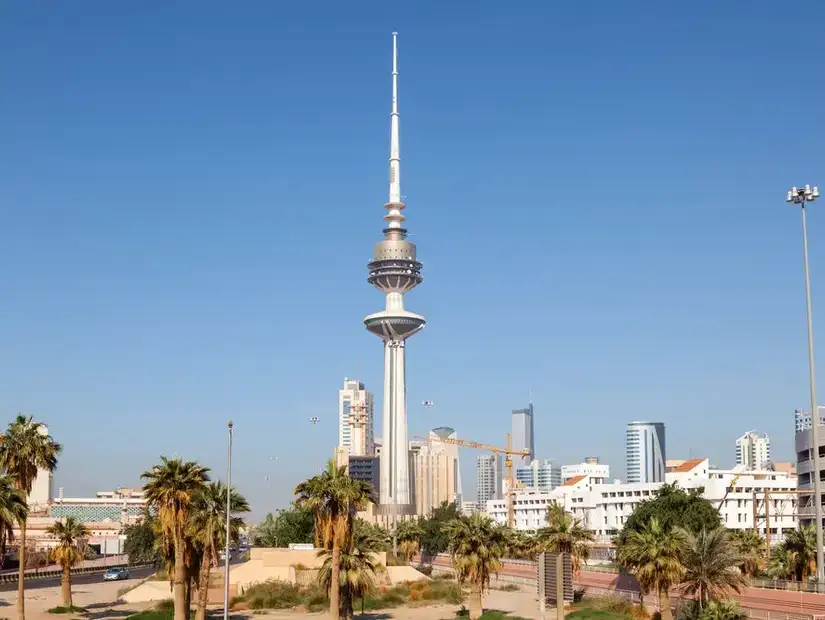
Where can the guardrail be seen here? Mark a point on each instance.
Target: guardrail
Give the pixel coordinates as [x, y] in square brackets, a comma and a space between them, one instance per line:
[53, 574]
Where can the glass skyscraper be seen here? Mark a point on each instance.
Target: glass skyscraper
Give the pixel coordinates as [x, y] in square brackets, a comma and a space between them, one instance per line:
[646, 452]
[523, 431]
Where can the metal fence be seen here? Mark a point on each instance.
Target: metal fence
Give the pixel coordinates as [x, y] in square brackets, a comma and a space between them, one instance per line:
[55, 573]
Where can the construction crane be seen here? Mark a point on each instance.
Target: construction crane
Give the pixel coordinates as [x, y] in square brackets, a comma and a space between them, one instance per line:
[508, 451]
[766, 501]
[728, 491]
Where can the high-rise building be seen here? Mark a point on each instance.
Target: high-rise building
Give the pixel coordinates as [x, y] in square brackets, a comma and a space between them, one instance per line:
[356, 419]
[394, 270]
[753, 451]
[436, 473]
[523, 431]
[489, 478]
[646, 452]
[539, 474]
[802, 419]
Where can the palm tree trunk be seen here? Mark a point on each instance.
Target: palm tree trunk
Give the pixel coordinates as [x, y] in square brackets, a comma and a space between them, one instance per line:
[21, 585]
[66, 586]
[475, 601]
[203, 587]
[335, 579]
[664, 604]
[179, 581]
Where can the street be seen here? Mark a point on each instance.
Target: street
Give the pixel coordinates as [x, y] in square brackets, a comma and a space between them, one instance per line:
[77, 580]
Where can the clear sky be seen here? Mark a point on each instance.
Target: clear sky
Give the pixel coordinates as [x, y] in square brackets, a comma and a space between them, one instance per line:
[190, 191]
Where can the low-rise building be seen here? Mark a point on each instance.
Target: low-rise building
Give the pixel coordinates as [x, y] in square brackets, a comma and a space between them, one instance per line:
[605, 508]
[597, 473]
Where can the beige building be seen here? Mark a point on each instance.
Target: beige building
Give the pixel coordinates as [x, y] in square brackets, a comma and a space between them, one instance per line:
[436, 474]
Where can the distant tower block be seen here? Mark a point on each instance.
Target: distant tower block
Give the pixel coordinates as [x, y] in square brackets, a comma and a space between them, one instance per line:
[394, 271]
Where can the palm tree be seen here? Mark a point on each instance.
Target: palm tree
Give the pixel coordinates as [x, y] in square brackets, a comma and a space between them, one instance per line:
[13, 510]
[409, 535]
[782, 563]
[751, 549]
[802, 544]
[334, 498]
[711, 566]
[357, 576]
[723, 610]
[566, 534]
[25, 448]
[171, 488]
[71, 537]
[476, 546]
[207, 528]
[652, 553]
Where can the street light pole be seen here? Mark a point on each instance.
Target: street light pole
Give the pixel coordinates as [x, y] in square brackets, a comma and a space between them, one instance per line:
[314, 420]
[801, 196]
[228, 518]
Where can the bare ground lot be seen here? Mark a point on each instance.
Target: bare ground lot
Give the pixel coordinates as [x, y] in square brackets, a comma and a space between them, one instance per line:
[100, 601]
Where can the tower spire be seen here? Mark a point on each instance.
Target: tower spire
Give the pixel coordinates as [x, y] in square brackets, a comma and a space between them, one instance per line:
[394, 206]
[395, 161]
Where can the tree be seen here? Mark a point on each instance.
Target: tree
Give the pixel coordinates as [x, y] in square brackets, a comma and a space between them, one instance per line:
[334, 498]
[476, 546]
[71, 538]
[711, 566]
[751, 549]
[140, 544]
[673, 507]
[207, 529]
[13, 510]
[795, 557]
[295, 524]
[409, 535]
[652, 553]
[171, 488]
[357, 574]
[25, 448]
[434, 539]
[566, 534]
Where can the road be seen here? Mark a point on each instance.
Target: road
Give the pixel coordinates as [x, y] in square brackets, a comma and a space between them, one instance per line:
[77, 580]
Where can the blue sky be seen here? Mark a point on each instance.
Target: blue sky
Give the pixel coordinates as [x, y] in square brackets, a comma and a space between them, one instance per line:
[190, 192]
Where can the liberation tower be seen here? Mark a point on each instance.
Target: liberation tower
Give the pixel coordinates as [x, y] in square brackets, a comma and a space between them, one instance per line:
[394, 270]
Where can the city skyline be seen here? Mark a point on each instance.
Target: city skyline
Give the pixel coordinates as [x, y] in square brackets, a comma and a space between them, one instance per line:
[164, 176]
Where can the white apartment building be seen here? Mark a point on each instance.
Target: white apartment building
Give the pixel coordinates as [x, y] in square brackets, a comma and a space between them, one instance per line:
[590, 468]
[489, 478]
[802, 419]
[356, 419]
[753, 451]
[605, 508]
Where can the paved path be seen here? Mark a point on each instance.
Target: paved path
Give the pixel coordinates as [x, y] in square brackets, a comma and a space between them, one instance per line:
[752, 598]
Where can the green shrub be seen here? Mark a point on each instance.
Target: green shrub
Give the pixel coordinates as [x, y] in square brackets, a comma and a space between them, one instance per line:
[578, 595]
[273, 594]
[424, 569]
[510, 587]
[166, 604]
[66, 610]
[445, 577]
[612, 602]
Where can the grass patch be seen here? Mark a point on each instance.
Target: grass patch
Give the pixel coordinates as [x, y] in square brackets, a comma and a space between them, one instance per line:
[596, 614]
[411, 593]
[66, 610]
[490, 614]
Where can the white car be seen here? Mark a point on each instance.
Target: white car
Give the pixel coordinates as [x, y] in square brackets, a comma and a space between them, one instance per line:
[115, 574]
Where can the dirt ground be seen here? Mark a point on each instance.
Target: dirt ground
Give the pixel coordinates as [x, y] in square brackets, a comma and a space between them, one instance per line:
[99, 599]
